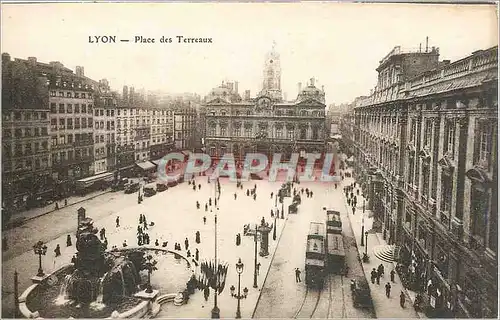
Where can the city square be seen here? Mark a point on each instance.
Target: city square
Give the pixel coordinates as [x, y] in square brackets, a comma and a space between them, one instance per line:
[200, 177]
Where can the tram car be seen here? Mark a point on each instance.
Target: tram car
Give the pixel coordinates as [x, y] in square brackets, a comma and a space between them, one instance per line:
[335, 254]
[315, 255]
[333, 222]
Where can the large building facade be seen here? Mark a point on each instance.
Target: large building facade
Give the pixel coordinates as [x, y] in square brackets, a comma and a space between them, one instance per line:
[425, 143]
[267, 123]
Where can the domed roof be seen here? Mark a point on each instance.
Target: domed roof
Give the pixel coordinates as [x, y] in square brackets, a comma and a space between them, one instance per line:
[311, 92]
[224, 92]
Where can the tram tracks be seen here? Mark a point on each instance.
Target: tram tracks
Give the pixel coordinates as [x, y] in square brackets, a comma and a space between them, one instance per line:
[314, 296]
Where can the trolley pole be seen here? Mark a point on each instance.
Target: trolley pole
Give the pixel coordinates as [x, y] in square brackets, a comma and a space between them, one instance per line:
[255, 259]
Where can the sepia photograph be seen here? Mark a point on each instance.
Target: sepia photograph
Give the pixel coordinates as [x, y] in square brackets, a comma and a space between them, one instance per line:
[249, 160]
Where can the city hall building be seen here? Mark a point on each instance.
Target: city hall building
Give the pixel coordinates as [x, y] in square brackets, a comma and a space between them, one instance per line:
[425, 145]
[267, 123]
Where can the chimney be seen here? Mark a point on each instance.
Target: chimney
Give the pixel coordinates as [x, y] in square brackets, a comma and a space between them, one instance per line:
[236, 86]
[79, 71]
[5, 57]
[300, 87]
[312, 82]
[131, 94]
[32, 61]
[230, 86]
[56, 65]
[426, 44]
[247, 94]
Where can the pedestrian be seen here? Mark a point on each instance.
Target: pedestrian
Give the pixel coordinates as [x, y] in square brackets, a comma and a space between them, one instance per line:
[206, 291]
[73, 259]
[105, 243]
[198, 237]
[380, 269]
[353, 210]
[188, 254]
[57, 206]
[297, 275]
[402, 299]
[139, 239]
[204, 220]
[388, 290]
[378, 277]
[238, 239]
[311, 193]
[210, 201]
[68, 241]
[57, 250]
[197, 205]
[248, 193]
[124, 244]
[140, 218]
[147, 239]
[65, 202]
[348, 201]
[157, 243]
[199, 186]
[258, 268]
[164, 244]
[197, 254]
[254, 196]
[235, 196]
[206, 207]
[139, 230]
[117, 222]
[373, 275]
[393, 273]
[272, 213]
[335, 186]
[277, 212]
[186, 243]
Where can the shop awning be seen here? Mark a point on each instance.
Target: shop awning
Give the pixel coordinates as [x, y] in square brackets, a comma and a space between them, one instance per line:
[146, 165]
[156, 162]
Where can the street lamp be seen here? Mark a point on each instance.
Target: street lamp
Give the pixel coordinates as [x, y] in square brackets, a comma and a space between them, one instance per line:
[239, 270]
[363, 224]
[40, 249]
[255, 259]
[366, 242]
[274, 229]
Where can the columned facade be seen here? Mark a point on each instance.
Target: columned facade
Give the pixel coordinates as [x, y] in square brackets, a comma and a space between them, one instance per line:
[426, 153]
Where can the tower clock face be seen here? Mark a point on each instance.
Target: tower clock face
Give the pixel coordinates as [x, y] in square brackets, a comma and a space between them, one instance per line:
[263, 104]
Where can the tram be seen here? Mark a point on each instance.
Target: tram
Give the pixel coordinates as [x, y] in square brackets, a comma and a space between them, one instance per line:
[333, 222]
[315, 255]
[335, 254]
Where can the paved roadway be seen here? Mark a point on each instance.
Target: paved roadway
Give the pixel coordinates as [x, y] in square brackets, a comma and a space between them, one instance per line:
[281, 296]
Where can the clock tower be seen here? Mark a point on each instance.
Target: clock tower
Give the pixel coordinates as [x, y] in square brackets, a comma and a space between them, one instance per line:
[272, 75]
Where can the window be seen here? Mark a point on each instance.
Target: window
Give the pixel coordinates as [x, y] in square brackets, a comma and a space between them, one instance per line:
[68, 95]
[89, 109]
[248, 131]
[315, 134]
[53, 107]
[101, 112]
[70, 123]
[303, 133]
[223, 131]
[279, 133]
[77, 108]
[18, 133]
[83, 95]
[89, 121]
[223, 113]
[479, 211]
[290, 134]
[446, 192]
[17, 115]
[61, 94]
[413, 130]
[291, 113]
[449, 143]
[62, 123]
[77, 123]
[44, 131]
[84, 123]
[84, 108]
[52, 93]
[278, 113]
[483, 142]
[96, 113]
[249, 112]
[411, 169]
[70, 138]
[236, 131]
[428, 133]
[61, 108]
[425, 181]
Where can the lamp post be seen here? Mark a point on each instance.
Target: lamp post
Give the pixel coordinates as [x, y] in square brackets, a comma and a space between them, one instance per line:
[239, 270]
[40, 249]
[283, 209]
[363, 224]
[274, 229]
[255, 259]
[366, 242]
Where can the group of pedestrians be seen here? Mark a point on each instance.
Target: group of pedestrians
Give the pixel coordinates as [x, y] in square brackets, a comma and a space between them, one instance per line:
[352, 197]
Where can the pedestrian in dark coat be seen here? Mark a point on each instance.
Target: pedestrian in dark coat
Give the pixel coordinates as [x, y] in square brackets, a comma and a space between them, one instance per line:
[188, 254]
[198, 237]
[373, 275]
[388, 290]
[205, 220]
[235, 196]
[402, 299]
[186, 243]
[117, 221]
[380, 269]
[57, 250]
[297, 275]
[197, 254]
[378, 278]
[393, 273]
[238, 239]
[206, 207]
[210, 201]
[157, 243]
[68, 241]
[65, 202]
[272, 213]
[199, 186]
[139, 239]
[254, 196]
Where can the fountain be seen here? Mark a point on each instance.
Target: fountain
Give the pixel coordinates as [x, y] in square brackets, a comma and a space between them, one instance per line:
[99, 283]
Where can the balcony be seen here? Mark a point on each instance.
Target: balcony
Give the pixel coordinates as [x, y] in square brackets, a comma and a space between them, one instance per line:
[83, 143]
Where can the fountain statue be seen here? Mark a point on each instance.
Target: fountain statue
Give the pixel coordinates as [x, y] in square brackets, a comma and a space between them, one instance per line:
[99, 276]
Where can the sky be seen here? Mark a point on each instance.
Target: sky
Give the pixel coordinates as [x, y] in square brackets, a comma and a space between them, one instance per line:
[339, 44]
